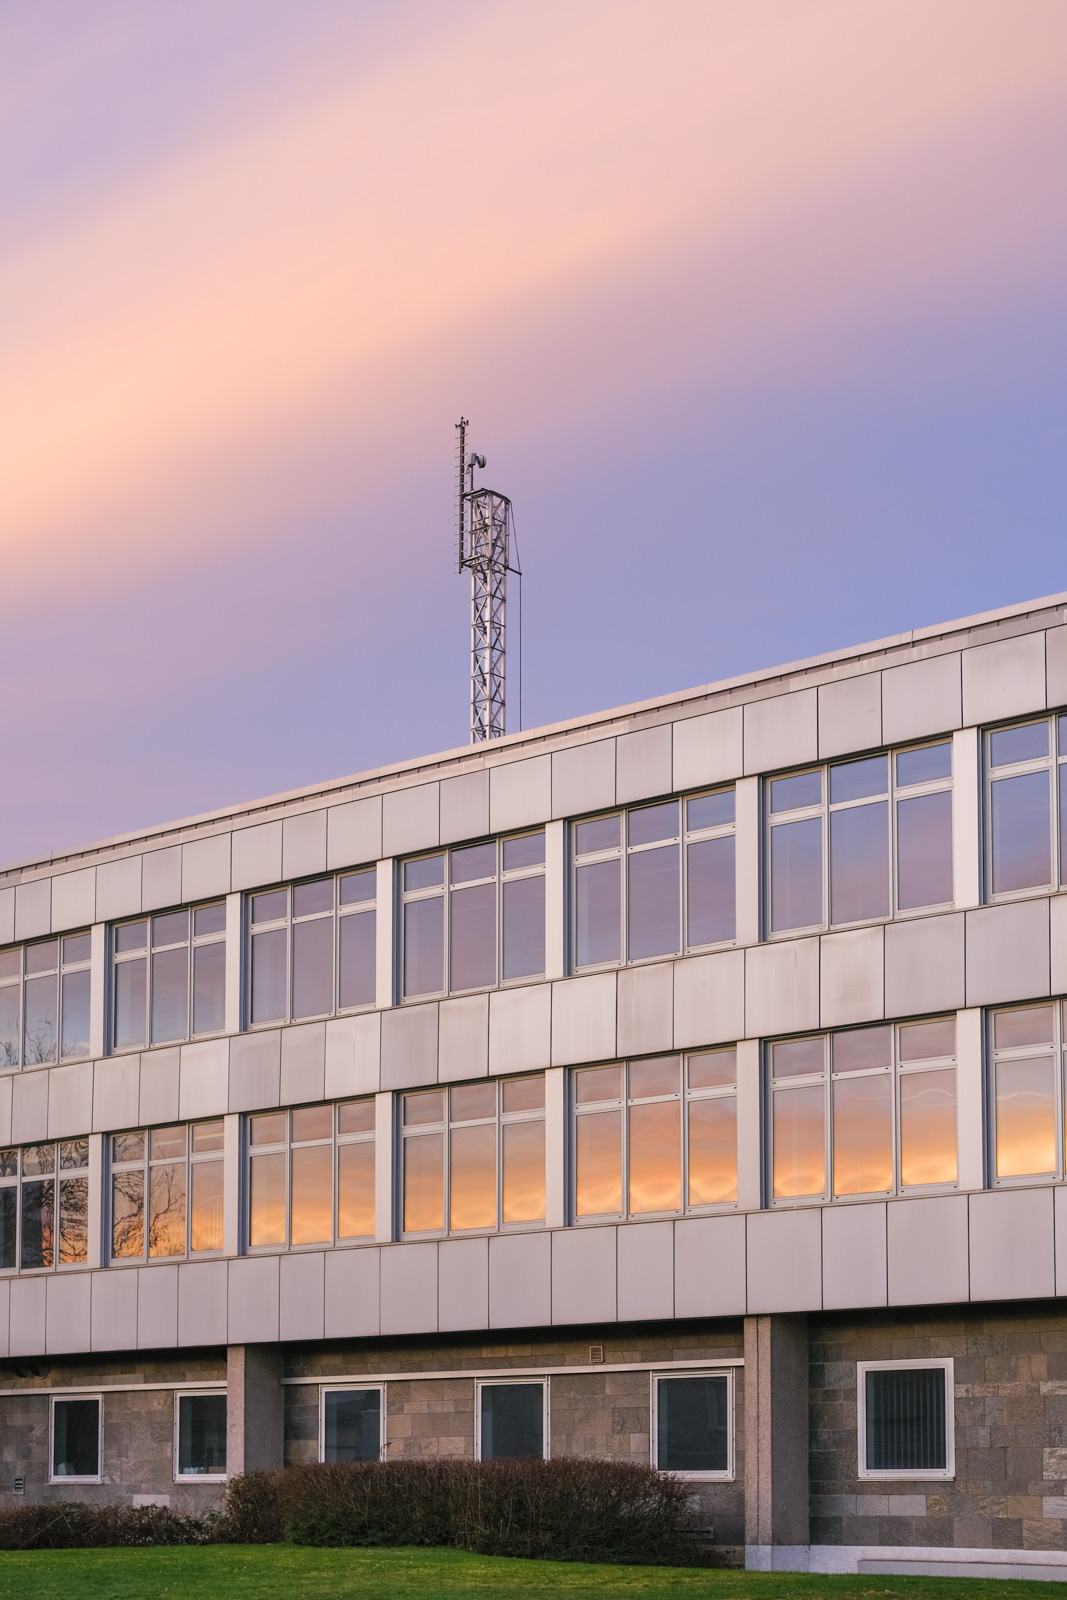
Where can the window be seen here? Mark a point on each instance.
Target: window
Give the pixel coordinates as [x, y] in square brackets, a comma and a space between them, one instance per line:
[860, 840]
[169, 977]
[76, 1440]
[644, 1145]
[475, 917]
[654, 881]
[905, 1419]
[1027, 1091]
[200, 1436]
[44, 1205]
[350, 1424]
[44, 1001]
[311, 1174]
[692, 1424]
[511, 1421]
[166, 1191]
[313, 948]
[474, 1154]
[866, 1111]
[1026, 804]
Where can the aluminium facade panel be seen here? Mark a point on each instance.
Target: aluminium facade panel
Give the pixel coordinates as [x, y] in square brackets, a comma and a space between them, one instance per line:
[304, 844]
[852, 977]
[710, 1273]
[784, 1256]
[353, 1055]
[29, 1107]
[1056, 667]
[161, 878]
[352, 1280]
[256, 856]
[583, 778]
[253, 1300]
[33, 908]
[7, 915]
[520, 1280]
[73, 900]
[255, 1070]
[302, 1295]
[583, 1019]
[354, 833]
[921, 698]
[925, 965]
[645, 1009]
[206, 867]
[520, 793]
[411, 819]
[643, 765]
[709, 999]
[1012, 1244]
[303, 1063]
[708, 749]
[118, 888]
[67, 1319]
[463, 1284]
[70, 1100]
[927, 1250]
[584, 1275]
[1008, 952]
[464, 807]
[854, 1269]
[850, 714]
[782, 987]
[160, 1076]
[113, 1311]
[27, 1316]
[1004, 679]
[520, 1029]
[646, 1271]
[202, 1287]
[409, 1047]
[463, 1038]
[157, 1306]
[782, 731]
[409, 1288]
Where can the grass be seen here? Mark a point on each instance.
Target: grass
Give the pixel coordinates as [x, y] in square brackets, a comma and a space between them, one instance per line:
[287, 1572]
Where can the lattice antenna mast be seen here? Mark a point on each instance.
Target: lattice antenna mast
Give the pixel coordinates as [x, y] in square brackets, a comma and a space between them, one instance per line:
[485, 528]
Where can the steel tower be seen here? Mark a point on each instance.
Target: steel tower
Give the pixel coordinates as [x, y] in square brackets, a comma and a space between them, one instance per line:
[485, 529]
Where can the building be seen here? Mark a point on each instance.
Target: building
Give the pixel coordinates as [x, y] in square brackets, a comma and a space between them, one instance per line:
[682, 1083]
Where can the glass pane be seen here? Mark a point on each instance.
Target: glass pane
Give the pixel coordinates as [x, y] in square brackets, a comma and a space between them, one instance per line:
[127, 1147]
[795, 1058]
[524, 1094]
[358, 887]
[714, 1069]
[861, 1048]
[1026, 1117]
[38, 1158]
[8, 1227]
[75, 1438]
[512, 1422]
[1028, 743]
[38, 1222]
[270, 999]
[356, 1116]
[42, 957]
[170, 995]
[355, 1190]
[207, 1136]
[210, 919]
[598, 1163]
[352, 1425]
[692, 1426]
[270, 907]
[11, 963]
[597, 1083]
[713, 1151]
[477, 861]
[598, 913]
[524, 927]
[662, 1075]
[312, 1122]
[472, 1177]
[924, 850]
[73, 1220]
[524, 1171]
[9, 1163]
[39, 1043]
[473, 936]
[790, 794]
[710, 892]
[10, 1025]
[171, 929]
[799, 1142]
[653, 823]
[75, 1040]
[1063, 824]
[271, 1127]
[1031, 1025]
[73, 1153]
[528, 850]
[420, 1109]
[859, 863]
[267, 1200]
[424, 1183]
[928, 1127]
[655, 1157]
[209, 987]
[131, 936]
[167, 1143]
[905, 1417]
[201, 1434]
[473, 1100]
[603, 833]
[205, 1206]
[313, 967]
[924, 1041]
[1021, 843]
[127, 1214]
[131, 999]
[859, 780]
[709, 810]
[166, 1209]
[654, 908]
[357, 978]
[312, 1196]
[424, 946]
[310, 898]
[863, 1134]
[924, 766]
[796, 875]
[426, 873]
[1062, 721]
[77, 947]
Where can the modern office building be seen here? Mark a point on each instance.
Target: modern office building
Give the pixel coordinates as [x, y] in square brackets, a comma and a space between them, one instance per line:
[680, 1084]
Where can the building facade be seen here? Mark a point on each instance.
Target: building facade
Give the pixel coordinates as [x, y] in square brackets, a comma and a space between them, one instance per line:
[682, 1085]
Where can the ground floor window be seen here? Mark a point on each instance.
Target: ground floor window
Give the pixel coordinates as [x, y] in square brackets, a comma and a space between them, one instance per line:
[905, 1419]
[350, 1425]
[76, 1439]
[512, 1421]
[201, 1436]
[692, 1424]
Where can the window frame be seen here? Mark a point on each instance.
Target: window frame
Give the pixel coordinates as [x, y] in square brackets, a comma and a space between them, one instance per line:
[144, 1165]
[1056, 1052]
[337, 913]
[381, 1386]
[58, 1175]
[729, 1473]
[61, 1399]
[895, 1474]
[504, 1382]
[63, 968]
[1055, 763]
[286, 1148]
[193, 1393]
[193, 942]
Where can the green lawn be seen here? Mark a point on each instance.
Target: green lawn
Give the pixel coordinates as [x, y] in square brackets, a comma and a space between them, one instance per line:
[286, 1572]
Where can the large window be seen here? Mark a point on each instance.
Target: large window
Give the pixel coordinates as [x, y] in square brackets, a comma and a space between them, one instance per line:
[350, 1423]
[866, 1111]
[311, 1174]
[858, 840]
[44, 1001]
[166, 1191]
[655, 1136]
[474, 1156]
[313, 948]
[511, 1421]
[169, 977]
[1027, 806]
[474, 917]
[1027, 1091]
[905, 1419]
[654, 881]
[44, 1205]
[692, 1424]
[75, 1452]
[200, 1436]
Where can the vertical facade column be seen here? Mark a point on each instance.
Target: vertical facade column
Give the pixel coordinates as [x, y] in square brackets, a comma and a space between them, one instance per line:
[254, 1408]
[777, 1531]
[387, 984]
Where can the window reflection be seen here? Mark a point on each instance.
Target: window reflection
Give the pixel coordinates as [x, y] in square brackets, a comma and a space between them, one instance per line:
[481, 1145]
[1025, 793]
[166, 1191]
[1027, 1091]
[474, 916]
[169, 977]
[314, 948]
[311, 1174]
[44, 1001]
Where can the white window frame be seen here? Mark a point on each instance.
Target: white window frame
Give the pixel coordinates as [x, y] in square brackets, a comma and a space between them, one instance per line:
[113, 1169]
[1055, 764]
[58, 1174]
[510, 1383]
[61, 1399]
[63, 969]
[192, 1393]
[913, 1475]
[286, 1147]
[286, 923]
[191, 943]
[730, 1472]
[355, 1388]
[1056, 1052]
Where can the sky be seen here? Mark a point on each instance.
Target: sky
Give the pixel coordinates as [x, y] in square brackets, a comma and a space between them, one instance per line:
[758, 309]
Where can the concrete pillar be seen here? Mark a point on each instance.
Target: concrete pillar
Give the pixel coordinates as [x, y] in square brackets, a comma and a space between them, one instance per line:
[776, 1443]
[254, 1408]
